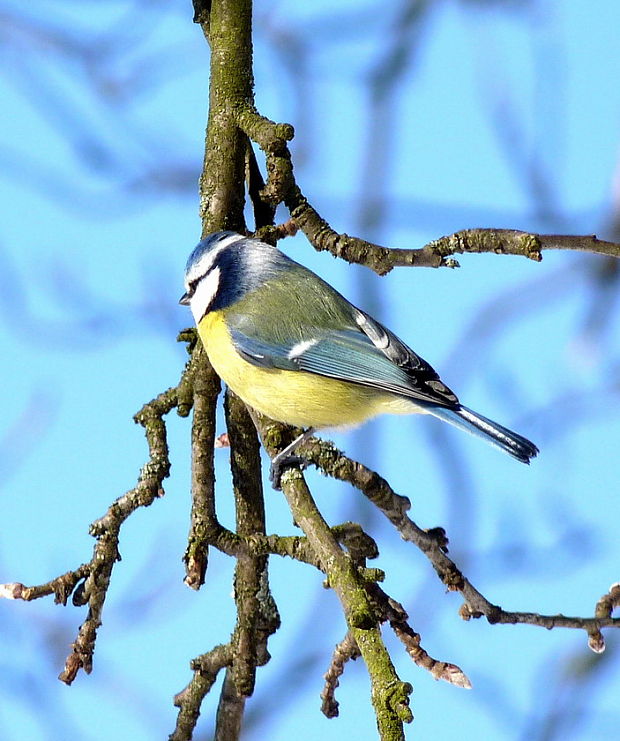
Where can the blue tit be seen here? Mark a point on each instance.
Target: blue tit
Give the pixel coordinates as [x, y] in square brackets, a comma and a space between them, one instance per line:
[292, 347]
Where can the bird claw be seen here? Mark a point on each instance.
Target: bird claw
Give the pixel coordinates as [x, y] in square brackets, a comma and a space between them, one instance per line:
[278, 467]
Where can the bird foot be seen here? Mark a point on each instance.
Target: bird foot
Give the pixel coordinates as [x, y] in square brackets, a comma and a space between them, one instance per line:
[278, 466]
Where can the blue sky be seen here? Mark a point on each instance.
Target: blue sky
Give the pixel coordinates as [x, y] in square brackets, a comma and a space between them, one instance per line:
[503, 114]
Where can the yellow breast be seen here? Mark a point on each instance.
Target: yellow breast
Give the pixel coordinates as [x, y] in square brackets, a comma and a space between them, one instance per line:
[295, 397]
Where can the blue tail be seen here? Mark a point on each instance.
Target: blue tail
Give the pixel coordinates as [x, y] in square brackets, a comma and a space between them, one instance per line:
[515, 445]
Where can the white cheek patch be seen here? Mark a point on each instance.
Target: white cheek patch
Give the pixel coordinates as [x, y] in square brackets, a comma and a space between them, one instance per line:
[204, 294]
[300, 348]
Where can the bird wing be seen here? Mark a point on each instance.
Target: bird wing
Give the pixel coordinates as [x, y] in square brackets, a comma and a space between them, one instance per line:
[367, 353]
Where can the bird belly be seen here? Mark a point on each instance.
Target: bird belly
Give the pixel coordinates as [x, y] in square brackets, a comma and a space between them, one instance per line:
[295, 397]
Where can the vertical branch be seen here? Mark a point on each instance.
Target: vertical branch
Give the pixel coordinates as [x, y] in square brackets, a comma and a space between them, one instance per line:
[390, 696]
[204, 525]
[222, 180]
[228, 27]
[250, 520]
[249, 639]
[229, 711]
[227, 24]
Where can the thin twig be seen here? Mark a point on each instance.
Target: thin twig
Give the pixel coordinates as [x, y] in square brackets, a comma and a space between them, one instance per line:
[346, 650]
[89, 583]
[394, 613]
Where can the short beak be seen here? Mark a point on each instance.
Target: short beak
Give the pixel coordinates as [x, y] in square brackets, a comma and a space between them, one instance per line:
[184, 300]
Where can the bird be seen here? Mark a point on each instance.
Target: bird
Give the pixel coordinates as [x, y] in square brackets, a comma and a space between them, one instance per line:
[295, 349]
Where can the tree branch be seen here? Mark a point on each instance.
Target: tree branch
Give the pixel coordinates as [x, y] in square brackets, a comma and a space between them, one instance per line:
[204, 528]
[434, 544]
[205, 668]
[89, 583]
[252, 631]
[510, 242]
[390, 696]
[282, 187]
[341, 551]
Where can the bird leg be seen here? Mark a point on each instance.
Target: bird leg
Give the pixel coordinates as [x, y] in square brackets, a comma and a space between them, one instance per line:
[285, 458]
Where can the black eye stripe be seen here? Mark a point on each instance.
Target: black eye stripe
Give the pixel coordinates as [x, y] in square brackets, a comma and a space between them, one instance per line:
[193, 284]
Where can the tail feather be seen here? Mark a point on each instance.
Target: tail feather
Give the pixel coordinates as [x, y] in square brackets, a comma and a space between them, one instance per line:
[501, 437]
